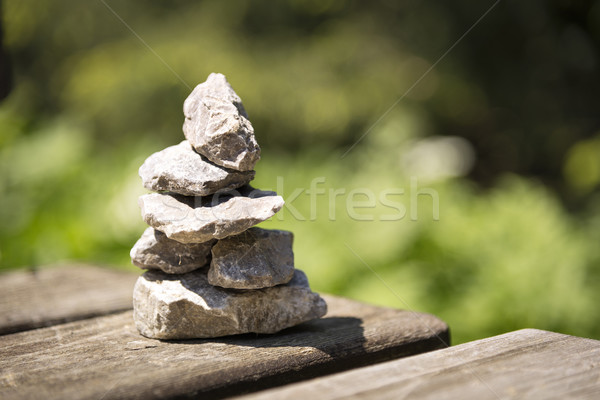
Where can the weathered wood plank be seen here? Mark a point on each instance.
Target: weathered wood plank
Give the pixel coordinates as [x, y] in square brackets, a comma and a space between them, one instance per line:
[105, 357]
[47, 296]
[526, 364]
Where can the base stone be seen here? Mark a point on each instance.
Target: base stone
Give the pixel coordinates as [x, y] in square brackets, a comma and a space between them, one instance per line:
[187, 306]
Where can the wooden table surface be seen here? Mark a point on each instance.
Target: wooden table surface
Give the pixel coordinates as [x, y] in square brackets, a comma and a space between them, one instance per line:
[526, 364]
[49, 296]
[100, 355]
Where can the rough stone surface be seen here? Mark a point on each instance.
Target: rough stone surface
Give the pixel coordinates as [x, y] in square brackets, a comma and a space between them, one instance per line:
[217, 125]
[254, 259]
[180, 169]
[200, 219]
[154, 250]
[187, 306]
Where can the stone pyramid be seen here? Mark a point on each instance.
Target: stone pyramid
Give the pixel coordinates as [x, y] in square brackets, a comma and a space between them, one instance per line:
[210, 272]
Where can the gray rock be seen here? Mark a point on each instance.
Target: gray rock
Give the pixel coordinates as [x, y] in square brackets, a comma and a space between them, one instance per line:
[154, 250]
[217, 125]
[254, 259]
[200, 219]
[180, 169]
[187, 306]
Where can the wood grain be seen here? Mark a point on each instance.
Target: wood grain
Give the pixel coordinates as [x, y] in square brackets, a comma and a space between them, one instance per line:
[526, 364]
[105, 357]
[51, 295]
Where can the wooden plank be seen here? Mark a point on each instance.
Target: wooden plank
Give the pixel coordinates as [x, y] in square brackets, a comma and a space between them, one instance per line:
[105, 357]
[526, 364]
[51, 295]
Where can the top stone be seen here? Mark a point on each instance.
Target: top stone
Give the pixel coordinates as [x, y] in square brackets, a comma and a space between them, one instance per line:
[217, 125]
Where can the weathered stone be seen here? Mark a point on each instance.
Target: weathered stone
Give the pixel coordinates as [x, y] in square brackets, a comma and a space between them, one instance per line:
[187, 306]
[154, 250]
[180, 169]
[200, 219]
[254, 259]
[217, 125]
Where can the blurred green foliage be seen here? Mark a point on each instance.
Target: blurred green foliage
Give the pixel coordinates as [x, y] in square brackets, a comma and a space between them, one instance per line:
[516, 241]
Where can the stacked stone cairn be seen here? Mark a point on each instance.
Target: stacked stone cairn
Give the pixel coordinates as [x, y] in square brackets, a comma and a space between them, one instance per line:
[210, 272]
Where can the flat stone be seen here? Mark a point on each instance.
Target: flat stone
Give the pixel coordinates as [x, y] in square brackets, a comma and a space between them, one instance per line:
[154, 250]
[187, 306]
[217, 125]
[200, 219]
[180, 169]
[254, 259]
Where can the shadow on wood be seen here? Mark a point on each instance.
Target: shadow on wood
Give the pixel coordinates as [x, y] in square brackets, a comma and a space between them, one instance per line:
[319, 334]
